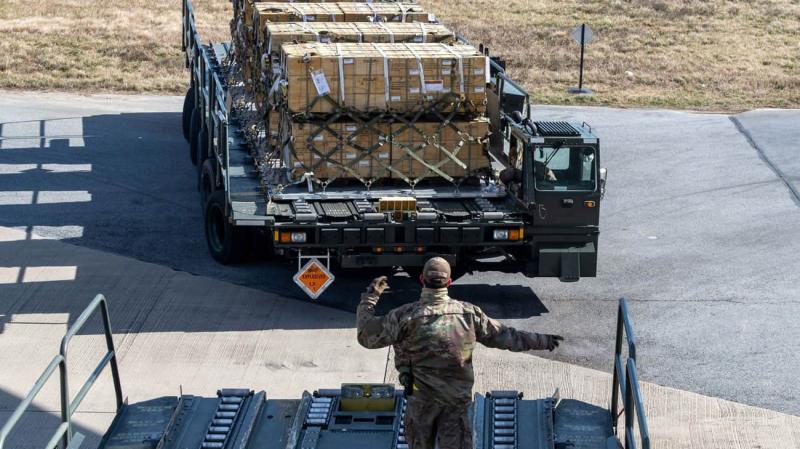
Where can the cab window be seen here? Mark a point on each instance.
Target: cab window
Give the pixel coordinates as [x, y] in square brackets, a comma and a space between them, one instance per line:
[564, 168]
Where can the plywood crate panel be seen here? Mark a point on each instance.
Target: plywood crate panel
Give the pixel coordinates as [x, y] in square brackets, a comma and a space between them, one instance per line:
[383, 77]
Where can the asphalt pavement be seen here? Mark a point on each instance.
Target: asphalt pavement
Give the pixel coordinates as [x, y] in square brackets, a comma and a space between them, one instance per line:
[699, 232]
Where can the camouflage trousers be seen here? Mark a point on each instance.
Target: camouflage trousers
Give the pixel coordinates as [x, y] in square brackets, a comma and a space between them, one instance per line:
[427, 420]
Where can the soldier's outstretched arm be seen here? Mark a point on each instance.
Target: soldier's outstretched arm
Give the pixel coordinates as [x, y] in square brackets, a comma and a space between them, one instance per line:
[375, 331]
[495, 334]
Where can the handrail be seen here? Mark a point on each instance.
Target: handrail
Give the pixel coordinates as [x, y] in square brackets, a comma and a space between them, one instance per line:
[68, 407]
[625, 381]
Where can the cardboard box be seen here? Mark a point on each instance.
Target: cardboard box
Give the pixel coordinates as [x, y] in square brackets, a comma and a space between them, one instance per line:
[384, 77]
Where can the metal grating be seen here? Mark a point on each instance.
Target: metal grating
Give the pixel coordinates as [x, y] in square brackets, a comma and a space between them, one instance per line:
[336, 209]
[548, 129]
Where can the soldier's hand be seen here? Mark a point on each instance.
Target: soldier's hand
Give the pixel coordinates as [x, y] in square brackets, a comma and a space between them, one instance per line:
[553, 341]
[378, 285]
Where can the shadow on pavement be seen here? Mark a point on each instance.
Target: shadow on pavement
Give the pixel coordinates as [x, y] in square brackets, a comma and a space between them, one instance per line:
[38, 425]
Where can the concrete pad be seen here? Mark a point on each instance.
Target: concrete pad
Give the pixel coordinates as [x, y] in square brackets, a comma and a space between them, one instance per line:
[175, 330]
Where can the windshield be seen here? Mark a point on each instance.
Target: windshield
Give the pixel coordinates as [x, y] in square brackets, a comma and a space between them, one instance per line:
[564, 168]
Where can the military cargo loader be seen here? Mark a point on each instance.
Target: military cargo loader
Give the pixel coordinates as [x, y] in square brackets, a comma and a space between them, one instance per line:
[354, 416]
[382, 152]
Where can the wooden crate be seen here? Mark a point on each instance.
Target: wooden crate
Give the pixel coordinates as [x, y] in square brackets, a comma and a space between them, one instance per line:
[276, 34]
[383, 77]
[367, 152]
[327, 151]
[337, 12]
[466, 140]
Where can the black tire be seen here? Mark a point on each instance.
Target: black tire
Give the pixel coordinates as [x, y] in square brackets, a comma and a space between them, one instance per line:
[188, 108]
[226, 242]
[202, 148]
[207, 183]
[194, 134]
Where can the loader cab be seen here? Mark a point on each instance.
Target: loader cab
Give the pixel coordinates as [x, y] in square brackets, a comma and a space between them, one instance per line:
[567, 181]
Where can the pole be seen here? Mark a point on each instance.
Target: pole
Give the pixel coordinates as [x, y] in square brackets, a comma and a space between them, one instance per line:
[583, 43]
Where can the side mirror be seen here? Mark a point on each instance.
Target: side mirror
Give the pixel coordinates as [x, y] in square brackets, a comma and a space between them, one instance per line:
[603, 177]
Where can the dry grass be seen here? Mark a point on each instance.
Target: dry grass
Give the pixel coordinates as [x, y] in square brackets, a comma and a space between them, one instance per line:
[697, 54]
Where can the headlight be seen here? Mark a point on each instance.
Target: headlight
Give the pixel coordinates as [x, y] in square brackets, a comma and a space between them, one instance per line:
[500, 234]
[298, 237]
[509, 234]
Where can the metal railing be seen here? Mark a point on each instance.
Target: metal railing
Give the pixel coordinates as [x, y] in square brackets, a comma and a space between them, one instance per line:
[69, 406]
[626, 381]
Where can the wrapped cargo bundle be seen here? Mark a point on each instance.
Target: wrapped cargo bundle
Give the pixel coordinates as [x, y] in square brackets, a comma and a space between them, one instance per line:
[336, 32]
[402, 78]
[259, 15]
[409, 152]
[354, 32]
[337, 12]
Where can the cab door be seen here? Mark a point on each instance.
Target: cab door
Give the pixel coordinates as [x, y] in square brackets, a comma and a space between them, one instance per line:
[566, 185]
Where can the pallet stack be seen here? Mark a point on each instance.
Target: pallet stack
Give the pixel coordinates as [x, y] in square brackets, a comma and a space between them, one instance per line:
[364, 91]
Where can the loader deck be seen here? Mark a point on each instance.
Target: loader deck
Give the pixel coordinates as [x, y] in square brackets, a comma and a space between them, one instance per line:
[245, 419]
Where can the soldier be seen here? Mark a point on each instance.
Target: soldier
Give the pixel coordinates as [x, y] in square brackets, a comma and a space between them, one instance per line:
[433, 339]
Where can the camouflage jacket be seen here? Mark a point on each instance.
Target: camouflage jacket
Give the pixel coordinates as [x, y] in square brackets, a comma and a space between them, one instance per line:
[435, 337]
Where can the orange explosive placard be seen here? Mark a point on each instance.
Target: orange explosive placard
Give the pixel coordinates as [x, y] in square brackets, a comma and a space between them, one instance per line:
[314, 278]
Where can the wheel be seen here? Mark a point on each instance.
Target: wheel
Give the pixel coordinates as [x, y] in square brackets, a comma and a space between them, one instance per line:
[226, 242]
[194, 135]
[202, 147]
[207, 181]
[188, 108]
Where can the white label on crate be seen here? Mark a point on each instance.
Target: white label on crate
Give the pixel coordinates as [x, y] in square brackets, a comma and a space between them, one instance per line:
[383, 155]
[446, 90]
[349, 155]
[479, 89]
[478, 72]
[319, 137]
[413, 72]
[445, 71]
[434, 85]
[325, 39]
[347, 61]
[350, 127]
[431, 17]
[418, 39]
[447, 62]
[315, 156]
[309, 18]
[320, 82]
[413, 90]
[363, 163]
[488, 72]
[395, 98]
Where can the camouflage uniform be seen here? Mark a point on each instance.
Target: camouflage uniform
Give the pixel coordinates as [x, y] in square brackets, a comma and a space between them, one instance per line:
[434, 338]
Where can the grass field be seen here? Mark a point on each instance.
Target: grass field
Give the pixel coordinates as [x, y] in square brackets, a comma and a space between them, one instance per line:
[692, 54]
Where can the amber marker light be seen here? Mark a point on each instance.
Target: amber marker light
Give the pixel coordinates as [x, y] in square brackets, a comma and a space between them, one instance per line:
[590, 203]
